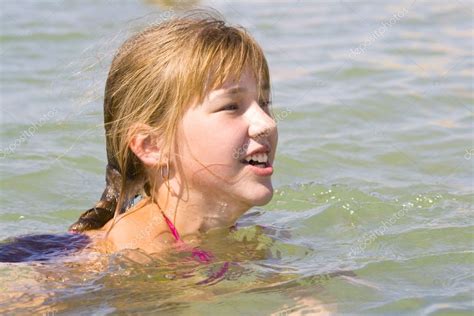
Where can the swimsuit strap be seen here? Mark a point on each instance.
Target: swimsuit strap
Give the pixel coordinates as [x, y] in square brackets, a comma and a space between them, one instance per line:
[173, 229]
[198, 254]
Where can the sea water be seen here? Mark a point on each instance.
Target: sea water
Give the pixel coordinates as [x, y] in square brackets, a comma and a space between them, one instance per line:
[373, 204]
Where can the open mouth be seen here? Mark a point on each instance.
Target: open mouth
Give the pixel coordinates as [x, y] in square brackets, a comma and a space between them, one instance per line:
[255, 163]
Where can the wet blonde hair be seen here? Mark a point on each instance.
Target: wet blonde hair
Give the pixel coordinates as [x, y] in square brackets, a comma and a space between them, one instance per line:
[155, 76]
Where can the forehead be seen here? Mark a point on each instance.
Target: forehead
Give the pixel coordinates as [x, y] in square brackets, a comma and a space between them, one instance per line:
[232, 87]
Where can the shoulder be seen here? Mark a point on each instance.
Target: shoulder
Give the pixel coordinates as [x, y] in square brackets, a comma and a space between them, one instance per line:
[137, 228]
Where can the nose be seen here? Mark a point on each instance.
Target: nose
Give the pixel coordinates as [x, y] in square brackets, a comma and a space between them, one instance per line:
[261, 124]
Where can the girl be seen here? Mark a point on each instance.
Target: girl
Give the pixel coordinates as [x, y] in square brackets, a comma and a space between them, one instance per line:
[189, 134]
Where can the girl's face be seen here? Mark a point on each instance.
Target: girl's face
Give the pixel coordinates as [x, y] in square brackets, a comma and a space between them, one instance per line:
[218, 137]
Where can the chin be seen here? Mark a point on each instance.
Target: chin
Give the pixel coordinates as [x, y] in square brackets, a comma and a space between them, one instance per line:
[261, 196]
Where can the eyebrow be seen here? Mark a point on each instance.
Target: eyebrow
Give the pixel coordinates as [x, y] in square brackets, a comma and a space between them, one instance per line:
[229, 92]
[235, 90]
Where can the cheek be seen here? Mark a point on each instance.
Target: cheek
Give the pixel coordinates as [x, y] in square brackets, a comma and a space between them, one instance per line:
[214, 142]
[208, 152]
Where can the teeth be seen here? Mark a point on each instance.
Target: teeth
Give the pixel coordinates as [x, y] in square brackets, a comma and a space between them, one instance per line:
[260, 157]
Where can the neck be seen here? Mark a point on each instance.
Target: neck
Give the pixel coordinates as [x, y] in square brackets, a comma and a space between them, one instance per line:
[195, 212]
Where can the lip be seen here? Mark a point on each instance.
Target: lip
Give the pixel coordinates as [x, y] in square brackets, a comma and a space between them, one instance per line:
[263, 172]
[261, 150]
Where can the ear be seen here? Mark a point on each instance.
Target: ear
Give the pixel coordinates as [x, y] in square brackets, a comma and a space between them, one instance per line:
[144, 144]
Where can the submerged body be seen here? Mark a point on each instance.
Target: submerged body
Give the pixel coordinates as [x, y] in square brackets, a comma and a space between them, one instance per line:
[172, 276]
[151, 232]
[144, 228]
[42, 247]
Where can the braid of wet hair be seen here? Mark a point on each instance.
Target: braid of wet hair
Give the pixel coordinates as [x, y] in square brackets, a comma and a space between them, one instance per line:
[104, 209]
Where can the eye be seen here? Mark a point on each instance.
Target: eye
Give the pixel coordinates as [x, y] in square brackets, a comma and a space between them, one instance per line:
[230, 107]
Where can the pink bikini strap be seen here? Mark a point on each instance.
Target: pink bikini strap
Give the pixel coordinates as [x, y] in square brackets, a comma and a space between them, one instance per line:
[198, 254]
[172, 228]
